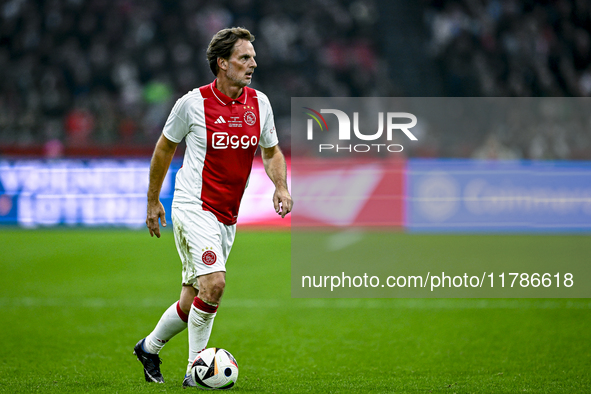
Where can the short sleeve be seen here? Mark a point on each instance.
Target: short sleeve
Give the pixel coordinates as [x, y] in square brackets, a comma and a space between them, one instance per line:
[177, 126]
[268, 131]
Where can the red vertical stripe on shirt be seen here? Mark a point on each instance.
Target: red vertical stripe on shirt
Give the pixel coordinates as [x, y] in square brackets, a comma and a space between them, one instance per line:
[230, 150]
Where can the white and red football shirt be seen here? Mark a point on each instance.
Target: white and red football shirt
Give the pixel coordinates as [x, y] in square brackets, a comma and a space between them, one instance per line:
[222, 136]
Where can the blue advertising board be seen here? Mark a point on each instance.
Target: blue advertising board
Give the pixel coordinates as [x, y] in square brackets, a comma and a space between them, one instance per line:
[440, 195]
[78, 192]
[497, 196]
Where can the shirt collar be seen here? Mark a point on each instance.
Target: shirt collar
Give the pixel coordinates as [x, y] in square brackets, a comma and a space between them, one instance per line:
[225, 100]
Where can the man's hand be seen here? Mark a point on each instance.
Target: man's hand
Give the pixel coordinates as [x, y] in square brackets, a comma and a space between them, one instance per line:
[275, 167]
[161, 159]
[282, 201]
[155, 211]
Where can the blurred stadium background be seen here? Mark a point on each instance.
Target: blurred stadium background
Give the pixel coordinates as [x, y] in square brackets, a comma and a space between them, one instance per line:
[98, 77]
[86, 87]
[88, 80]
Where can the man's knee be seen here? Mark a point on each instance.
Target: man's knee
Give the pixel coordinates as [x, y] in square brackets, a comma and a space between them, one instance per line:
[218, 287]
[211, 287]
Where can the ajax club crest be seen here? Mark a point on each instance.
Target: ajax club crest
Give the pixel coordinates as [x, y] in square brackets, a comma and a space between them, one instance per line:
[250, 118]
[209, 257]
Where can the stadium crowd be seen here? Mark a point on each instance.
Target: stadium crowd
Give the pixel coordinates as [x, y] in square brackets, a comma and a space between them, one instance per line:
[511, 48]
[104, 72]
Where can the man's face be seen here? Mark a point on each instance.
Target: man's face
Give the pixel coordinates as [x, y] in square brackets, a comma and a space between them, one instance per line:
[241, 63]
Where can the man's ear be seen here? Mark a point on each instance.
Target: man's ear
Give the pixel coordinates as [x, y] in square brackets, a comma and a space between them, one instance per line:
[222, 64]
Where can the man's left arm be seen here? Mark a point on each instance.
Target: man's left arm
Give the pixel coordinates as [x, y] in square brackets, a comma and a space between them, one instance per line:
[276, 169]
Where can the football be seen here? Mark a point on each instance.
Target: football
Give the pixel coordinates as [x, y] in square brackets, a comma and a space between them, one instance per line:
[215, 368]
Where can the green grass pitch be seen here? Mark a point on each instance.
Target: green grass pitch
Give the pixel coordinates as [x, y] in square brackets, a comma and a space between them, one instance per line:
[73, 303]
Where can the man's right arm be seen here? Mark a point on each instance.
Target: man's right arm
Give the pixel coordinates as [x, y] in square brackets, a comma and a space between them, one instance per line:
[161, 159]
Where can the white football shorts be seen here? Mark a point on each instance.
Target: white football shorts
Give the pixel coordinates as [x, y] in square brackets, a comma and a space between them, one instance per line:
[203, 242]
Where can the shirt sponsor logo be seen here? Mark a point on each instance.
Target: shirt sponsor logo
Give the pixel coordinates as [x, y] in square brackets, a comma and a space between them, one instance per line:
[222, 140]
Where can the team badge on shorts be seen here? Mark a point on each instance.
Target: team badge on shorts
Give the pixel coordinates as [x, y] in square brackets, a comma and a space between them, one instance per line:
[250, 118]
[209, 257]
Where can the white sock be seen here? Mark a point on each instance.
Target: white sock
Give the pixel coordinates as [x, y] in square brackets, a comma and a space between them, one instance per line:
[172, 322]
[200, 325]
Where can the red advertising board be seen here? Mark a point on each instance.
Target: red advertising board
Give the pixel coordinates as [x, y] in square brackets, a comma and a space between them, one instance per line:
[338, 193]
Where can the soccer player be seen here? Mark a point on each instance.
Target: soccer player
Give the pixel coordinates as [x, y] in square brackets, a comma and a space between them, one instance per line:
[223, 123]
